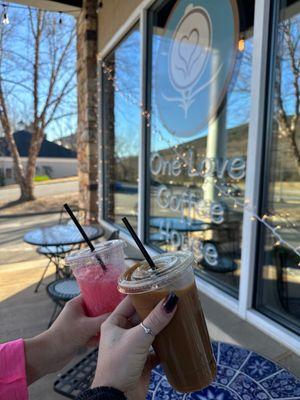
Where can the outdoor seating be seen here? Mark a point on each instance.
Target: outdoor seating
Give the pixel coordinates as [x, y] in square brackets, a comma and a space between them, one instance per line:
[56, 241]
[55, 254]
[61, 291]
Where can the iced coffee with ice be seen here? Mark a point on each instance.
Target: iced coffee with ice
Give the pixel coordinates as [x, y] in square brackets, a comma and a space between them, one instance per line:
[183, 347]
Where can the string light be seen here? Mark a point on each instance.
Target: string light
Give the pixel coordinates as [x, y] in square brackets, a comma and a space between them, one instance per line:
[20, 7]
[241, 44]
[245, 205]
[5, 19]
[100, 5]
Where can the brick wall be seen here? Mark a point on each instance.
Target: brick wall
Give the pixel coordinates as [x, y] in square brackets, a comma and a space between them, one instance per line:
[95, 27]
[87, 137]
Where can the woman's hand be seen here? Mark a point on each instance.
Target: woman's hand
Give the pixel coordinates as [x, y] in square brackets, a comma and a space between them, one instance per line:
[124, 360]
[53, 349]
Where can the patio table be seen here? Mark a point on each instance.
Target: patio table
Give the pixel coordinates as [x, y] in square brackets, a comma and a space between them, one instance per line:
[242, 375]
[61, 235]
[55, 241]
[179, 224]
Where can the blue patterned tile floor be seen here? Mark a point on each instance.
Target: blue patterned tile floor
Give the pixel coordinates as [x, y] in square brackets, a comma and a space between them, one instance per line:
[242, 375]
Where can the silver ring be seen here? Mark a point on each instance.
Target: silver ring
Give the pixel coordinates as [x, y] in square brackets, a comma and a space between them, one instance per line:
[147, 330]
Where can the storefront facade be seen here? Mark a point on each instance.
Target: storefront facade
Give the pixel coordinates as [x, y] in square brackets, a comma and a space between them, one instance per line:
[199, 144]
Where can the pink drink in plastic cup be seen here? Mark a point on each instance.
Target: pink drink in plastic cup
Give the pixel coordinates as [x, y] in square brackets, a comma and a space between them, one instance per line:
[98, 287]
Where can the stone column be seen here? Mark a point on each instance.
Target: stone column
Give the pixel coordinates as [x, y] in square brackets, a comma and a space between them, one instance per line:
[87, 133]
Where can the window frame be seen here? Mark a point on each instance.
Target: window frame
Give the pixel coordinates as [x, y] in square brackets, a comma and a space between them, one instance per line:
[243, 306]
[266, 170]
[111, 47]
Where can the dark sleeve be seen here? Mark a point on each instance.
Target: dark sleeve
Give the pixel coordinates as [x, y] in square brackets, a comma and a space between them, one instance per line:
[101, 393]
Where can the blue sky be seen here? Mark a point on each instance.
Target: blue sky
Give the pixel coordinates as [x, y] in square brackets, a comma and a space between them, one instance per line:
[127, 114]
[238, 94]
[17, 66]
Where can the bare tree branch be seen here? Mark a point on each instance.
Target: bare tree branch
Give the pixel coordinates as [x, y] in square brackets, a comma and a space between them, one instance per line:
[21, 84]
[41, 58]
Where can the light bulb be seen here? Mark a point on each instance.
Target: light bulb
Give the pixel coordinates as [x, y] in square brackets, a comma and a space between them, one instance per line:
[5, 19]
[241, 45]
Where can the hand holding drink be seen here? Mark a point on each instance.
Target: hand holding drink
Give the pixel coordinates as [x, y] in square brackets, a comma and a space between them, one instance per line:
[183, 347]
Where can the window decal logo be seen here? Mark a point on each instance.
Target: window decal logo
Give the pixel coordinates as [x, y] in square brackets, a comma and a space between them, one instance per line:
[194, 63]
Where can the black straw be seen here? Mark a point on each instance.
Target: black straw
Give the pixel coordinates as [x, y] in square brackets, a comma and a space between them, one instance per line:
[139, 243]
[84, 235]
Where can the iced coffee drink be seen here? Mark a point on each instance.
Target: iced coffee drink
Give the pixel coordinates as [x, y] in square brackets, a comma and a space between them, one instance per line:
[183, 347]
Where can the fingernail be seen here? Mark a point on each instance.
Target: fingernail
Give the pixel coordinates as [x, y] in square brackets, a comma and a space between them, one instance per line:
[170, 302]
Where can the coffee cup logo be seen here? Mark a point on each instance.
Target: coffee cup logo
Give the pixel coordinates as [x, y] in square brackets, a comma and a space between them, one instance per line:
[194, 63]
[189, 52]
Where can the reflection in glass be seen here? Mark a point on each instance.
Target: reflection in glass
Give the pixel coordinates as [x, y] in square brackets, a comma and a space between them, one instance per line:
[279, 278]
[121, 129]
[199, 132]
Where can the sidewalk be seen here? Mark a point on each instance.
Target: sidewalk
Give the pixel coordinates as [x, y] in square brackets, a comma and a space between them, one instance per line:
[24, 313]
[225, 326]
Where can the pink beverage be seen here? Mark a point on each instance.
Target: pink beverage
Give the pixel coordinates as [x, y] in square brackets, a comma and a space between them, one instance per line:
[99, 287]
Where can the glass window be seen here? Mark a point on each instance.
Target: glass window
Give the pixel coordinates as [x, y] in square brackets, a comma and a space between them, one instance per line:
[121, 128]
[200, 57]
[278, 293]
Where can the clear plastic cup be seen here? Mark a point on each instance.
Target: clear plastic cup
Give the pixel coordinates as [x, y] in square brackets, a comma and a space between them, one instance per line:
[98, 287]
[184, 346]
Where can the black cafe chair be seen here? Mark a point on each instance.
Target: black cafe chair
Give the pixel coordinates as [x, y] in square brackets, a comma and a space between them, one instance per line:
[61, 291]
[56, 254]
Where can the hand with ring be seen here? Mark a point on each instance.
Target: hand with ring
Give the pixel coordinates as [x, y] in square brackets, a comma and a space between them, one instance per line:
[124, 360]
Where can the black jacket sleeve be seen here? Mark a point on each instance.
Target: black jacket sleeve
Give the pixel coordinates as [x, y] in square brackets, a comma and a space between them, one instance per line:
[101, 393]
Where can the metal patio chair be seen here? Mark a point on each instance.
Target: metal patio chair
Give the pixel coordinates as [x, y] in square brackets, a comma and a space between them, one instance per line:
[56, 254]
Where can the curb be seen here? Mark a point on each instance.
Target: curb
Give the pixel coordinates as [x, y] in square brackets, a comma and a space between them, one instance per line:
[31, 214]
[49, 182]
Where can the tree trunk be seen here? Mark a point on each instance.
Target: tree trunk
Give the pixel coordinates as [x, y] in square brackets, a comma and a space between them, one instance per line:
[18, 167]
[26, 191]
[35, 146]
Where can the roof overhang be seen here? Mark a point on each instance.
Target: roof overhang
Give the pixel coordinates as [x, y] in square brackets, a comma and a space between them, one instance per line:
[72, 7]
